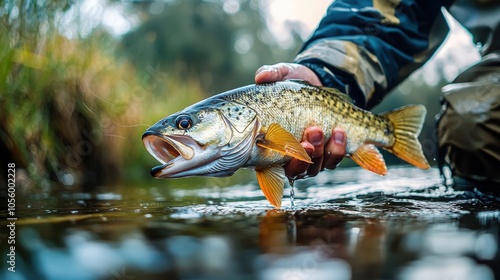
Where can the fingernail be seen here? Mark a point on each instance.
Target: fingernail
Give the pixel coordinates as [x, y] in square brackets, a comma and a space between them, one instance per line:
[338, 137]
[315, 138]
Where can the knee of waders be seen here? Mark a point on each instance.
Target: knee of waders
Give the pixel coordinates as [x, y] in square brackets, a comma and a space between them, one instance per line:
[468, 127]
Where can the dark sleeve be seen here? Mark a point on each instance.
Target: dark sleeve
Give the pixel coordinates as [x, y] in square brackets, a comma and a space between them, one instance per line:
[368, 47]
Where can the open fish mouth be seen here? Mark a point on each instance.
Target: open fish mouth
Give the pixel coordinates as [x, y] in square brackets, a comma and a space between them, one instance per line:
[168, 150]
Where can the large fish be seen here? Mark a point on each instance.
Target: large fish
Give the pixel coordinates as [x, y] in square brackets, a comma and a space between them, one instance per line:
[260, 126]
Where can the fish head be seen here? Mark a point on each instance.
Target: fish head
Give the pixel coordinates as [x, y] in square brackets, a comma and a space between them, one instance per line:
[211, 138]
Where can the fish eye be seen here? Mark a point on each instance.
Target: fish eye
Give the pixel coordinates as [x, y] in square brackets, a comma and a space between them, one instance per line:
[183, 122]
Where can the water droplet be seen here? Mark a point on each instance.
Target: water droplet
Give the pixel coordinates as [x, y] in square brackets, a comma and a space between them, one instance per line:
[292, 192]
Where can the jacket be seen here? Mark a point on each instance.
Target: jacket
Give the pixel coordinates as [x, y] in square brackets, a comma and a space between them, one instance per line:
[367, 47]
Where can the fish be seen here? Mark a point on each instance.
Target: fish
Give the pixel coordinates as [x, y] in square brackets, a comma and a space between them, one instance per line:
[260, 126]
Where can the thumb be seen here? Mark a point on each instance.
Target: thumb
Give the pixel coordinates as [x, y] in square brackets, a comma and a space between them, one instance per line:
[285, 71]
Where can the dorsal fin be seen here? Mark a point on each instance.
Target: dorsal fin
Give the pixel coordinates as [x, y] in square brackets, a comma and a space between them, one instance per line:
[304, 82]
[337, 93]
[332, 91]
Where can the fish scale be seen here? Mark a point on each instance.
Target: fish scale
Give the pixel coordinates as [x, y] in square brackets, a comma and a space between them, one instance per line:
[314, 106]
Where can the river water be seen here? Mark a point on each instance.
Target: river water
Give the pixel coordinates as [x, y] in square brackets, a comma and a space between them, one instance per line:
[346, 224]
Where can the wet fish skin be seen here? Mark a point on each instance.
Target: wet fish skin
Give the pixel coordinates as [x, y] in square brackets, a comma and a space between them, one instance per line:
[297, 105]
[260, 126]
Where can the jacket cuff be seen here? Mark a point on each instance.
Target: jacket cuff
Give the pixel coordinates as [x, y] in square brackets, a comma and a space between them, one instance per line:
[339, 63]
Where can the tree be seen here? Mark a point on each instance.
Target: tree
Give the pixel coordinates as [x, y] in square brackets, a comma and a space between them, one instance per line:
[205, 40]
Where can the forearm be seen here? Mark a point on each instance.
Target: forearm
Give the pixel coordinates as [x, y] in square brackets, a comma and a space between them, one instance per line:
[368, 49]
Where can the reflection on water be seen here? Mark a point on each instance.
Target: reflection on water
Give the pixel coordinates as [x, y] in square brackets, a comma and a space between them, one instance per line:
[346, 224]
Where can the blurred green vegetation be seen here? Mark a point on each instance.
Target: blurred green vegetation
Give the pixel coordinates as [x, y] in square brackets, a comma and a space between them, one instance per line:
[60, 99]
[194, 38]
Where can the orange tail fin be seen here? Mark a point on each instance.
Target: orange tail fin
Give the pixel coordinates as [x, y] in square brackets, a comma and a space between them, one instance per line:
[407, 122]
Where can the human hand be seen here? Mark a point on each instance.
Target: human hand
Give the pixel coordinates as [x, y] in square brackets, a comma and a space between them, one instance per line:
[324, 155]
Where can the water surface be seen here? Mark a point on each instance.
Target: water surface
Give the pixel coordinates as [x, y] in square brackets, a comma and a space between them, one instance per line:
[346, 224]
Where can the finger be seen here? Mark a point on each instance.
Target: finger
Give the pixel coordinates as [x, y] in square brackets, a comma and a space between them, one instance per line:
[295, 168]
[314, 135]
[285, 71]
[267, 74]
[335, 149]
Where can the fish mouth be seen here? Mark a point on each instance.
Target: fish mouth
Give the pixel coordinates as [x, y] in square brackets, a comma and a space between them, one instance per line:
[168, 150]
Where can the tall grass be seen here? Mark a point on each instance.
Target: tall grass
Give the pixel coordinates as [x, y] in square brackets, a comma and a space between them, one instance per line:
[73, 113]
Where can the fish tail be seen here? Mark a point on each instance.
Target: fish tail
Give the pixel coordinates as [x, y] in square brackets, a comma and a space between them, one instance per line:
[407, 122]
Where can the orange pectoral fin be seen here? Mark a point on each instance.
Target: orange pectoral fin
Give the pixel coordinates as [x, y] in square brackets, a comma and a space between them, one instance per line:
[368, 157]
[272, 184]
[280, 140]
